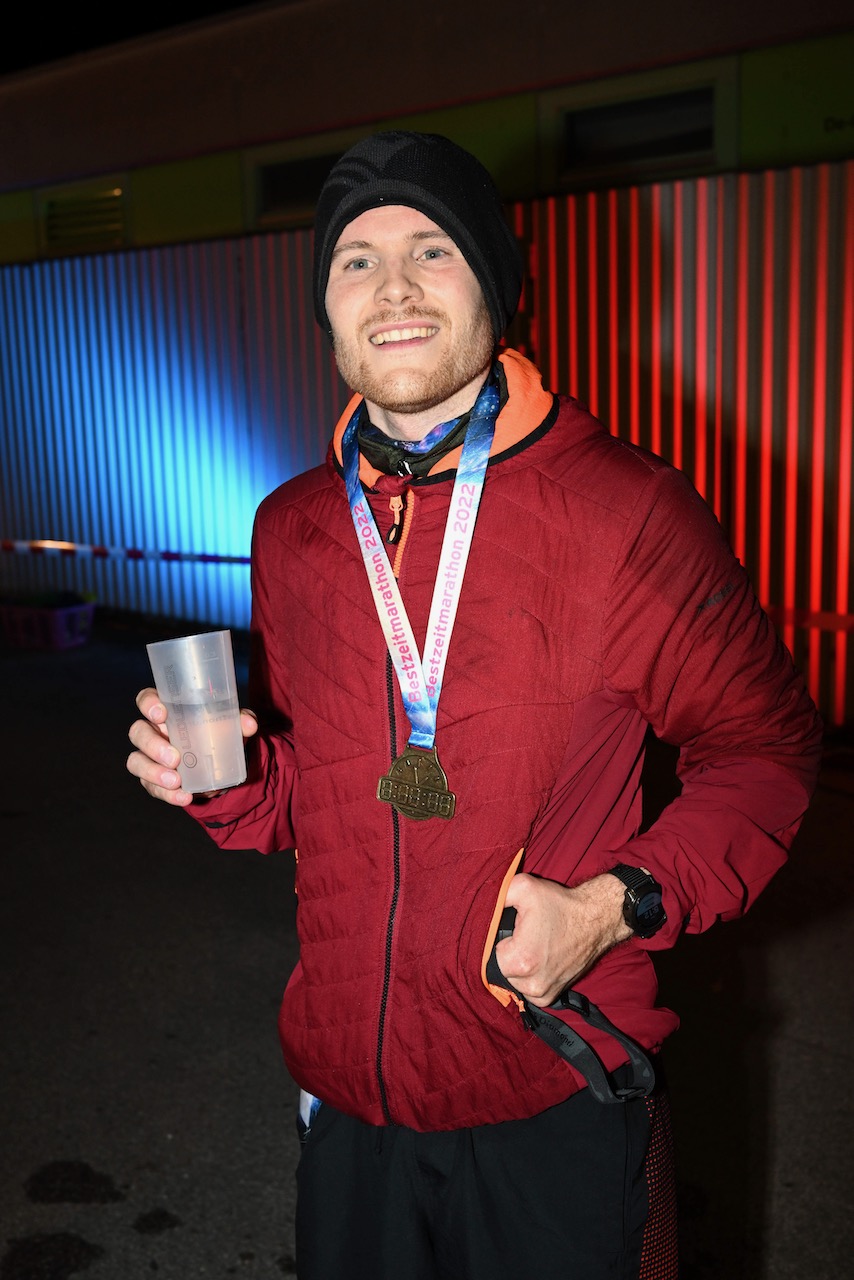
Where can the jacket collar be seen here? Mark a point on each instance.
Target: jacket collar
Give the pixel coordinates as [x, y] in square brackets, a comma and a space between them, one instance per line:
[527, 406]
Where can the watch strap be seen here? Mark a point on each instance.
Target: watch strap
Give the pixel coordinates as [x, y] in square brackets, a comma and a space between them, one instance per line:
[632, 877]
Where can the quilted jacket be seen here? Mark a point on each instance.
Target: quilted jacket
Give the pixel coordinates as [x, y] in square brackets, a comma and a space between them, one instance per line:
[600, 599]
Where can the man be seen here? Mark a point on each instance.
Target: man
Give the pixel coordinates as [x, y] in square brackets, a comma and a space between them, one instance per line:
[464, 624]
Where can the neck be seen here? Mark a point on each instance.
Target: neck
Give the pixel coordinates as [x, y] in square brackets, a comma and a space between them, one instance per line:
[414, 424]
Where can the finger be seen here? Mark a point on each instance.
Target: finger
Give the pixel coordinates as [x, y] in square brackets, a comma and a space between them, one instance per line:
[149, 704]
[154, 752]
[174, 796]
[155, 761]
[153, 741]
[248, 722]
[160, 782]
[521, 892]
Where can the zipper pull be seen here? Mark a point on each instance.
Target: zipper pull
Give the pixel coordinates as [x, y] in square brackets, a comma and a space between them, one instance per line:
[396, 508]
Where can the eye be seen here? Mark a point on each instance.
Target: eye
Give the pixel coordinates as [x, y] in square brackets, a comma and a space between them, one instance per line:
[356, 264]
[434, 252]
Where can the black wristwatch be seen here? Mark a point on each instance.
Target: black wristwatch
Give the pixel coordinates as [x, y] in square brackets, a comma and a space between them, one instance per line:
[643, 911]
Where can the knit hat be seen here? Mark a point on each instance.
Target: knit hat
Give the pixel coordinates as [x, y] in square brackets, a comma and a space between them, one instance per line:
[432, 174]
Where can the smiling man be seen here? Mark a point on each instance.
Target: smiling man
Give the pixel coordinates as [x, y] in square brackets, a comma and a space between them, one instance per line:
[410, 326]
[465, 623]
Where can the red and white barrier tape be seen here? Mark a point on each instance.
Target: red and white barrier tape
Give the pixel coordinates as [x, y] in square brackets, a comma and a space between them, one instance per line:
[50, 547]
[824, 621]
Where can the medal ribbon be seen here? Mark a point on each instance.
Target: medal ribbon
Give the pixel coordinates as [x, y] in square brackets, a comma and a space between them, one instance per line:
[421, 681]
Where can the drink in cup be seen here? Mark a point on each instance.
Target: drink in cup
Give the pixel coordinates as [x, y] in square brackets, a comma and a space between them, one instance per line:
[195, 681]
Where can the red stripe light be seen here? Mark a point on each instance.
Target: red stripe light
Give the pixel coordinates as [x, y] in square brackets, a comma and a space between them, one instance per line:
[739, 525]
[790, 509]
[592, 306]
[678, 287]
[655, 319]
[613, 316]
[766, 393]
[819, 424]
[572, 267]
[634, 318]
[846, 426]
[701, 340]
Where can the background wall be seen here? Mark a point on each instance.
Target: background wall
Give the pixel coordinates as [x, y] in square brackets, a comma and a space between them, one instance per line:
[160, 368]
[299, 67]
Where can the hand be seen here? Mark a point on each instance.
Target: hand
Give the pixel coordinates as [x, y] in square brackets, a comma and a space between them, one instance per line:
[155, 760]
[560, 933]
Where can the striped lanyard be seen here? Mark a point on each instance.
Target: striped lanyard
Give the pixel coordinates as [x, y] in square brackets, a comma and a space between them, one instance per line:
[420, 679]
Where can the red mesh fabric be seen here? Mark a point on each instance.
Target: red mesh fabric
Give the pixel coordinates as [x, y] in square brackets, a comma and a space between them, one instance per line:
[659, 1255]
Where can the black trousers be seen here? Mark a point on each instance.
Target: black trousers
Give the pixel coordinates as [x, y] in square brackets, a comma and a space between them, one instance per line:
[584, 1191]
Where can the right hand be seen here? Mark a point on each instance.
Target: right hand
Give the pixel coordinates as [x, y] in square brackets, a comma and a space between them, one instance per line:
[155, 760]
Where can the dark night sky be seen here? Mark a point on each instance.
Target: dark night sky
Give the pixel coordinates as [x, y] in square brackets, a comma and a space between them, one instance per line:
[42, 37]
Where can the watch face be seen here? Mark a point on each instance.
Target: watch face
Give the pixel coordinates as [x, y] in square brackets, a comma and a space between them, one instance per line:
[649, 912]
[643, 909]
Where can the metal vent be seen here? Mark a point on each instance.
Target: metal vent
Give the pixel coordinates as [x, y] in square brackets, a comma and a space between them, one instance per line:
[286, 191]
[83, 220]
[645, 127]
[669, 128]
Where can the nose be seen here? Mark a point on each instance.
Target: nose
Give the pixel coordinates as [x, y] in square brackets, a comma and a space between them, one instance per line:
[397, 283]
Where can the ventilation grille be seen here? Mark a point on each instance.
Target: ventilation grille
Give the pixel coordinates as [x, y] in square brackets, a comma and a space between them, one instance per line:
[83, 221]
[650, 126]
[669, 130]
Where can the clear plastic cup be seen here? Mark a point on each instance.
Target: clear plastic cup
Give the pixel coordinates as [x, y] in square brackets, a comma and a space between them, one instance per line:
[195, 681]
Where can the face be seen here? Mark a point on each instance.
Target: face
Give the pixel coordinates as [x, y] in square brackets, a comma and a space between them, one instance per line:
[411, 330]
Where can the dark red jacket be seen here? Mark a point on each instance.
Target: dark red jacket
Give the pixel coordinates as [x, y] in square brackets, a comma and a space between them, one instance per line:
[600, 598]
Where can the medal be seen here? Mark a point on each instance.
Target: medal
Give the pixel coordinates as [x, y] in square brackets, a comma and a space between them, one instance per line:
[416, 785]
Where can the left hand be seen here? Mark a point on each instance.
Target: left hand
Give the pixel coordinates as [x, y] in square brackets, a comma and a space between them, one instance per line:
[560, 933]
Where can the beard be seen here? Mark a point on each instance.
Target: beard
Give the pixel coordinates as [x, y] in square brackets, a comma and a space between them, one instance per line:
[414, 390]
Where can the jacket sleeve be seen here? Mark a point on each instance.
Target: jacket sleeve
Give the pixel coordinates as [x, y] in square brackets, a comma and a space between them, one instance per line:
[260, 814]
[687, 640]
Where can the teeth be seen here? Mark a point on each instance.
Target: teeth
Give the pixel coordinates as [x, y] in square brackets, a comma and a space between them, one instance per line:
[403, 335]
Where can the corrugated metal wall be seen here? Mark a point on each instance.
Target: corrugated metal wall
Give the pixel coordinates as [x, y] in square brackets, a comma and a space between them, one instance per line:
[150, 399]
[712, 321]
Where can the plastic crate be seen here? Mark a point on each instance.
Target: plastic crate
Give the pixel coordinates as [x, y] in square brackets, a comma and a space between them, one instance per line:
[34, 627]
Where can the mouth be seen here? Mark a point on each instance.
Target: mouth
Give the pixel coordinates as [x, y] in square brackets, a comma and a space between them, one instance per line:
[408, 334]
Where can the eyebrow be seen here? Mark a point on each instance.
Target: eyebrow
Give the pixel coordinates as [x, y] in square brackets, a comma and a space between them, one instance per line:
[351, 246]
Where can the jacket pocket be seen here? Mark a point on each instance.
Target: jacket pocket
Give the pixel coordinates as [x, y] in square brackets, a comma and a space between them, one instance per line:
[500, 993]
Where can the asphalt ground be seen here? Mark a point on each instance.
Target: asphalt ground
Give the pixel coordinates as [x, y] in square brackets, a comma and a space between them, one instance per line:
[148, 1122]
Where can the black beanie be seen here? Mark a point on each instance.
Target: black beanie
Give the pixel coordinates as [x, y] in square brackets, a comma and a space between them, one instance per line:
[432, 174]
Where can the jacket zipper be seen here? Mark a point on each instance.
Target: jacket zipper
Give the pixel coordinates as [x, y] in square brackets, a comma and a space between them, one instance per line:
[396, 536]
[389, 937]
[396, 506]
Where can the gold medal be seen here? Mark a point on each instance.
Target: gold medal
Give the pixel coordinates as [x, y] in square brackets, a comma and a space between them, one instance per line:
[416, 785]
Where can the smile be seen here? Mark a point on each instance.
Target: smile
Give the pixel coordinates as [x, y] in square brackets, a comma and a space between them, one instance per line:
[404, 335]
